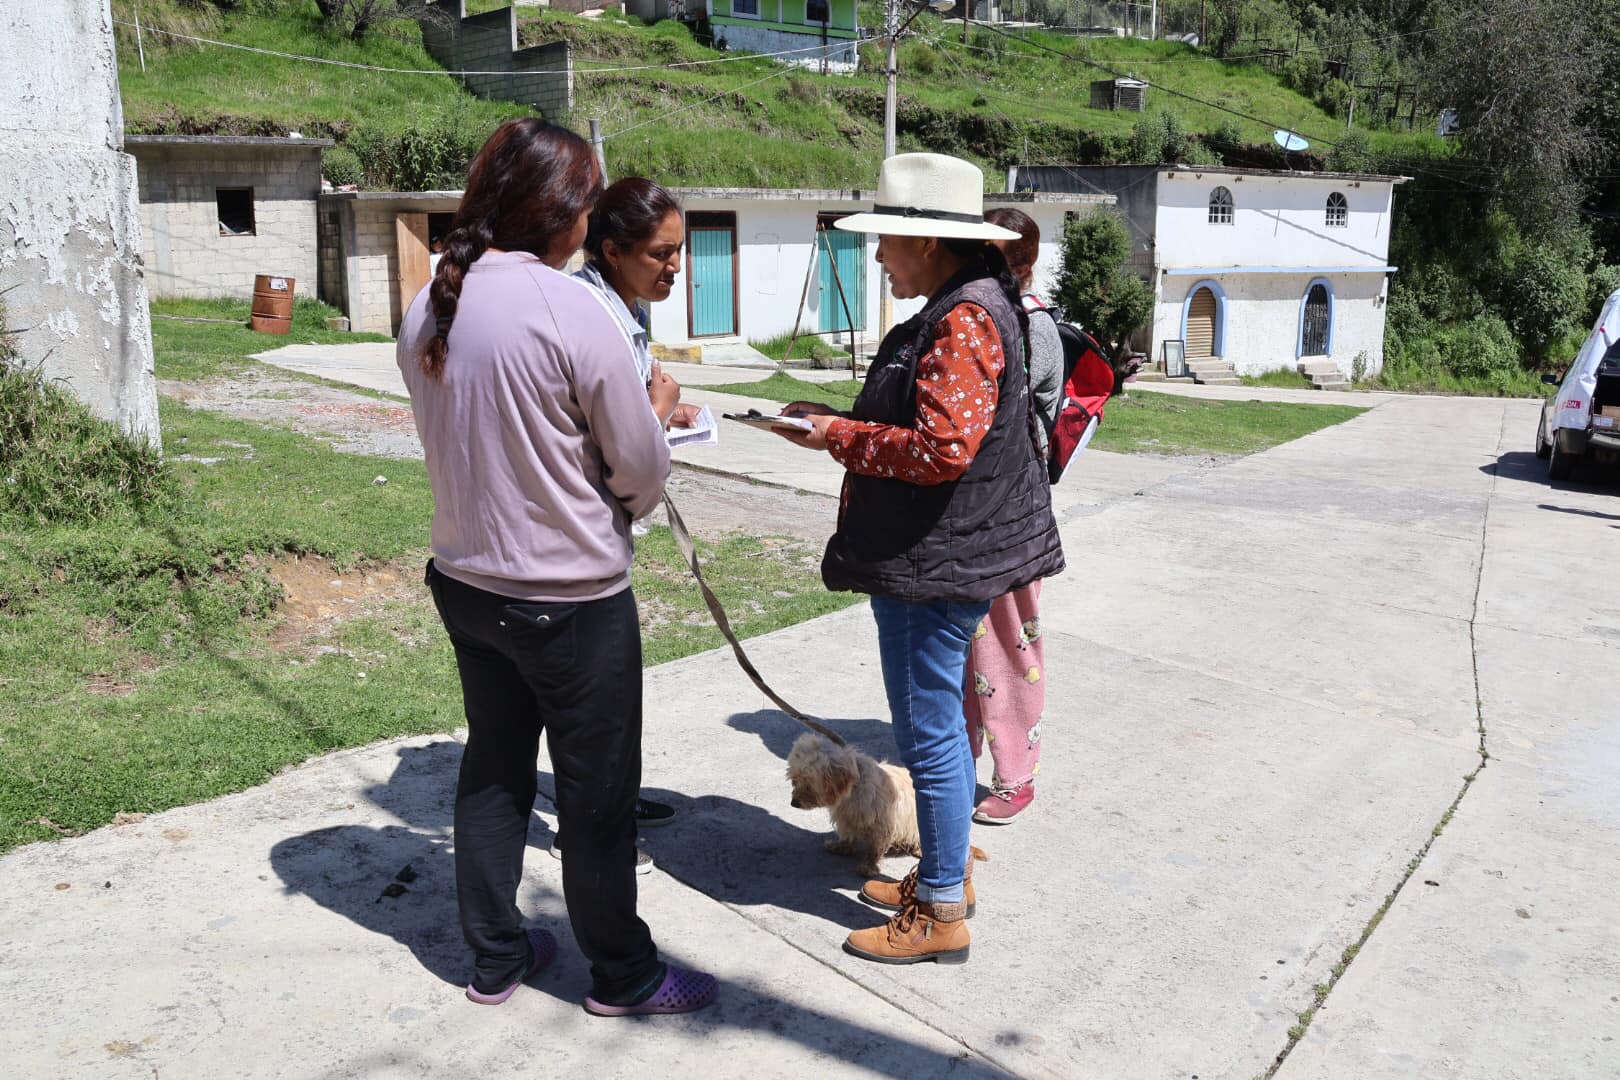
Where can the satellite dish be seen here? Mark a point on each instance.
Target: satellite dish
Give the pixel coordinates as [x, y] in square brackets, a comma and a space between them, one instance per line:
[1289, 141]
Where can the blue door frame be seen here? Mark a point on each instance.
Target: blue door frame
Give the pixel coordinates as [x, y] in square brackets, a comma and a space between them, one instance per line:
[711, 263]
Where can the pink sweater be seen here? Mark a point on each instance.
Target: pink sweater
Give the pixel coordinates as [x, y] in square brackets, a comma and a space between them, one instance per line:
[540, 446]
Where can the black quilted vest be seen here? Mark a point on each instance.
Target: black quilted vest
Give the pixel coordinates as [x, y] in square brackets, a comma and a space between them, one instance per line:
[972, 539]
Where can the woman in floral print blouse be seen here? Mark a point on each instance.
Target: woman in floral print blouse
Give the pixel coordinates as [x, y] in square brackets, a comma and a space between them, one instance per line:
[945, 507]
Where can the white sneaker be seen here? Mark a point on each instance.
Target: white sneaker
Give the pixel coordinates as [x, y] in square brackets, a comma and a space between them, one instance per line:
[644, 861]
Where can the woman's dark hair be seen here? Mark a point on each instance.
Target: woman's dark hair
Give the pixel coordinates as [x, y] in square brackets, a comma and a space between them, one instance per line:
[628, 213]
[1021, 253]
[527, 186]
[994, 262]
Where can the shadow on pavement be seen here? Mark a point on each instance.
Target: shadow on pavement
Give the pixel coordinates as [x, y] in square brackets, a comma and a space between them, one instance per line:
[731, 851]
[778, 731]
[1523, 465]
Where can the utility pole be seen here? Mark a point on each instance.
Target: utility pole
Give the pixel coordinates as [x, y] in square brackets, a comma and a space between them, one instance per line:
[891, 30]
[596, 143]
[1153, 22]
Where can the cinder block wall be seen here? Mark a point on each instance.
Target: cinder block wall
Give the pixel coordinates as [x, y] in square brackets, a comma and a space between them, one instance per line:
[185, 253]
[541, 76]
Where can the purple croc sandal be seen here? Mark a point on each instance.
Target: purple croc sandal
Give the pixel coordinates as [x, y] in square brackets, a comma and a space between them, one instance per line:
[544, 947]
[682, 991]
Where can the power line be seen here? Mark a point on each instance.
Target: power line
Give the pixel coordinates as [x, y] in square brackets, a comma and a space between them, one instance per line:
[442, 71]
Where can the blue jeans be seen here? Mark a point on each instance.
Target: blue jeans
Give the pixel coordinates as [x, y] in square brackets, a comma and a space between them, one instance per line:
[923, 648]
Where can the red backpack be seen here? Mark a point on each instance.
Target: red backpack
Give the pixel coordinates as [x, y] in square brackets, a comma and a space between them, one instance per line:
[1089, 380]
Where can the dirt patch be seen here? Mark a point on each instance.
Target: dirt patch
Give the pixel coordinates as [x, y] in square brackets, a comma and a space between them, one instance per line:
[356, 423]
[317, 598]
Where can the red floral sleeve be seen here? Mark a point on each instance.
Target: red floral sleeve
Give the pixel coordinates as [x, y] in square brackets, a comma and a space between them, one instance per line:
[957, 387]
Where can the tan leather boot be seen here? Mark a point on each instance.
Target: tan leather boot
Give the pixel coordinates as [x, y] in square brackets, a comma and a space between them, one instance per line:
[920, 932]
[894, 895]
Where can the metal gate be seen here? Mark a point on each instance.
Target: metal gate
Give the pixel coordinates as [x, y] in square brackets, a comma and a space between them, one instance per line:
[1201, 315]
[1318, 316]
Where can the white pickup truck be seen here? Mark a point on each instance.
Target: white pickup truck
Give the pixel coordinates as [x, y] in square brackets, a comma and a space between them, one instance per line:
[1573, 425]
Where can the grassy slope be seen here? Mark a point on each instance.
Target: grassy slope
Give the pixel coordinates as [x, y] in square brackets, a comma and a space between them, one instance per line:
[175, 610]
[205, 88]
[1141, 422]
[995, 101]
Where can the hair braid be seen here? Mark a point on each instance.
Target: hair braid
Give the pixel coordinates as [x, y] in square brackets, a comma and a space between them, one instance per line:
[462, 247]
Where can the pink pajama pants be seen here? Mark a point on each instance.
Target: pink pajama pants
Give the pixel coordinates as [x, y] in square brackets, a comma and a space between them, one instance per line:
[1005, 692]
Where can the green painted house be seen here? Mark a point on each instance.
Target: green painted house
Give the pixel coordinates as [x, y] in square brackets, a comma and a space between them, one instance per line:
[804, 31]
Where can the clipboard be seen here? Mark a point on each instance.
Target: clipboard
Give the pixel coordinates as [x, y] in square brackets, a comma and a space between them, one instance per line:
[756, 419]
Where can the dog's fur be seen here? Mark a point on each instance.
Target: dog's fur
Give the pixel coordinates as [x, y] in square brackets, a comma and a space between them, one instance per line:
[872, 804]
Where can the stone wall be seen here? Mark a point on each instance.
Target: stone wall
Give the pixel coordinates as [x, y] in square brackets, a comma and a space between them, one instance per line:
[541, 76]
[186, 254]
[70, 233]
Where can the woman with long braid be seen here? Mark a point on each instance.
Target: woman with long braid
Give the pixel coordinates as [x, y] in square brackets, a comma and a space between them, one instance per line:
[541, 451]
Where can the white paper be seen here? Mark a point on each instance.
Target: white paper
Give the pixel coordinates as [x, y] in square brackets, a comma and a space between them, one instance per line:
[703, 432]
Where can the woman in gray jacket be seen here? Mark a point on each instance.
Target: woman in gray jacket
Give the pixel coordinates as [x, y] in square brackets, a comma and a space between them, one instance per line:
[1005, 691]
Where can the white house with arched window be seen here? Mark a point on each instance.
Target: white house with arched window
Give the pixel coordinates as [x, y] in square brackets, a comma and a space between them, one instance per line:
[1258, 268]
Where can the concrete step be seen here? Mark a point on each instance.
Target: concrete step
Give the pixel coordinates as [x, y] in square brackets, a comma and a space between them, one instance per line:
[1196, 366]
[1335, 384]
[1318, 367]
[1234, 381]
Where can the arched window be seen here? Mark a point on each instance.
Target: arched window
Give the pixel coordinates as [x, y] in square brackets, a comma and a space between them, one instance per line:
[1338, 211]
[1220, 207]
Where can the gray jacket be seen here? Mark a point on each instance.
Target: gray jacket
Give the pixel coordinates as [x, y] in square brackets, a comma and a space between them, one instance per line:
[1045, 369]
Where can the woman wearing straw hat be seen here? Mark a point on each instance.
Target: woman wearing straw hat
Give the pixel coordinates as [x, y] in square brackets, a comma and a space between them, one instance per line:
[945, 507]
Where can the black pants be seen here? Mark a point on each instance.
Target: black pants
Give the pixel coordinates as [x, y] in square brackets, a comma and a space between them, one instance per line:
[574, 671]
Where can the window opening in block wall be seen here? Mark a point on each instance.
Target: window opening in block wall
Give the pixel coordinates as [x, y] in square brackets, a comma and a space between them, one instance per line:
[235, 208]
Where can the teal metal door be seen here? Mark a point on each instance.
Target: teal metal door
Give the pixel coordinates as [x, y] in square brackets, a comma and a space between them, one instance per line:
[847, 252]
[714, 301]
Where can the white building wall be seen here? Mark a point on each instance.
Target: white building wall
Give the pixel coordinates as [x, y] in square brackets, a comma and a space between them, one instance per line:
[775, 240]
[1278, 222]
[1262, 318]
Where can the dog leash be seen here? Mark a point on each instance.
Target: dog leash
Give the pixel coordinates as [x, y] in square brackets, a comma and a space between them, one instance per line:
[683, 541]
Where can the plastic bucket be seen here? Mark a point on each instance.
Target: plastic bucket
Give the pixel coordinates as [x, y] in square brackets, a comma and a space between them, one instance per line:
[272, 304]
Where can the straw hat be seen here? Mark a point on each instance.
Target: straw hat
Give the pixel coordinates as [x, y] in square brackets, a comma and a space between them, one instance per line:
[928, 195]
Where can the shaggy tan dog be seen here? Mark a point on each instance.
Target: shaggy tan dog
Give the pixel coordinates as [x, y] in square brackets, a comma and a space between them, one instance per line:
[872, 805]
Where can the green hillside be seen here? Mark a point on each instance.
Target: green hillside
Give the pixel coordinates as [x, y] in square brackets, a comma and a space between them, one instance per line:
[745, 122]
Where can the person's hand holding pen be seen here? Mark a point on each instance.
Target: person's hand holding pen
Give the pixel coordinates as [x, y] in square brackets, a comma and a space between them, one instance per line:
[821, 418]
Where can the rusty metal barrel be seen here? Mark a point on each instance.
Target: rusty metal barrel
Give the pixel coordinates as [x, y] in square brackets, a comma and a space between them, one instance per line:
[272, 304]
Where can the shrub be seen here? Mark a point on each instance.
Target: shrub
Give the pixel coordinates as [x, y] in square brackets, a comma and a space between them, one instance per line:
[1158, 138]
[341, 166]
[61, 464]
[1353, 152]
[423, 157]
[1602, 283]
[1542, 298]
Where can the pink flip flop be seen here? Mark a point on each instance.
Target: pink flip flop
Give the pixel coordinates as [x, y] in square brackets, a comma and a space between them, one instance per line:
[544, 947]
[682, 991]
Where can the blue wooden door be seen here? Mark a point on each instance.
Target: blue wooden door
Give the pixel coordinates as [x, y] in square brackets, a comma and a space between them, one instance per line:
[846, 251]
[714, 301]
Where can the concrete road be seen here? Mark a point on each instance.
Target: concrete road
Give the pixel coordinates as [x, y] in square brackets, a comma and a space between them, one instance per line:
[1268, 680]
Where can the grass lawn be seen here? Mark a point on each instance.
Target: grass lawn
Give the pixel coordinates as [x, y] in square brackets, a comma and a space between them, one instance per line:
[148, 658]
[1142, 422]
[1280, 378]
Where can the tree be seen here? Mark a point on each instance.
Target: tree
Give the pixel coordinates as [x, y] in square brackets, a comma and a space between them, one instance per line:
[1094, 287]
[354, 17]
[1524, 84]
